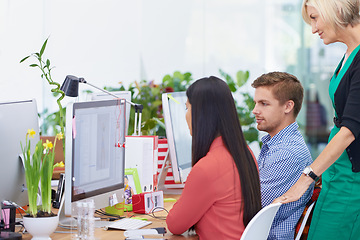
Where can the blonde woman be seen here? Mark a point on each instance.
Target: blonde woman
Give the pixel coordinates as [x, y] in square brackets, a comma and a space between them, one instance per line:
[336, 215]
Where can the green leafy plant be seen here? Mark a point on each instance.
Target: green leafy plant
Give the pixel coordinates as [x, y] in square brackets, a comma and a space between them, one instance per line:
[244, 110]
[45, 68]
[149, 95]
[39, 167]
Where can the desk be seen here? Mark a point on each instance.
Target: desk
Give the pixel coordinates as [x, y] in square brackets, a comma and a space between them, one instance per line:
[117, 234]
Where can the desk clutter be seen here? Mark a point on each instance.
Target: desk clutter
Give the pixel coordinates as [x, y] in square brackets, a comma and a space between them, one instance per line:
[149, 152]
[149, 202]
[141, 154]
[96, 171]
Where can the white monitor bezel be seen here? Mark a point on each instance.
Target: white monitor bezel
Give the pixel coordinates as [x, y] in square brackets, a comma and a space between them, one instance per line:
[179, 175]
[101, 199]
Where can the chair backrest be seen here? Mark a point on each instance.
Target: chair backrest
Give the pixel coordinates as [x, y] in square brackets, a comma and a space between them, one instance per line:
[259, 226]
[303, 223]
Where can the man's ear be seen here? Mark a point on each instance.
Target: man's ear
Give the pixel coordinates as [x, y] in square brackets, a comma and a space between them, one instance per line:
[289, 106]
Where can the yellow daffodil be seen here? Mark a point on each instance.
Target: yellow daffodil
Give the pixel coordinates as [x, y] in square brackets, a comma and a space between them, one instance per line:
[60, 164]
[59, 136]
[31, 133]
[48, 144]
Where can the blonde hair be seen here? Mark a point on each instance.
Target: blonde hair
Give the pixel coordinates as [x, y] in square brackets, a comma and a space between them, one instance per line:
[338, 13]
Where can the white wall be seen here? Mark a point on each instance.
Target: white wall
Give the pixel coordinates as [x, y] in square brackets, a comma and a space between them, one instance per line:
[115, 40]
[111, 41]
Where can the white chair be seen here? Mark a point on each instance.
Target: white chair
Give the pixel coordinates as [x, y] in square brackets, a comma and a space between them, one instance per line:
[259, 226]
[303, 223]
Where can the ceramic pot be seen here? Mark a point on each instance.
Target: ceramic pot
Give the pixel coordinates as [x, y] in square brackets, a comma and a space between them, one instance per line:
[41, 227]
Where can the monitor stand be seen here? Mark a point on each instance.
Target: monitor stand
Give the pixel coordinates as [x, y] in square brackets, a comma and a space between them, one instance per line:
[65, 221]
[162, 177]
[70, 222]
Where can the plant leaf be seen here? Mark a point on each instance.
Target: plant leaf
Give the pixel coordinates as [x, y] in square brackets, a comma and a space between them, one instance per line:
[43, 47]
[24, 59]
[159, 122]
[242, 77]
[34, 65]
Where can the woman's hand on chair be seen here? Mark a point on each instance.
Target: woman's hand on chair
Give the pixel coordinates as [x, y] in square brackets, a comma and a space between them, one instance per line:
[296, 191]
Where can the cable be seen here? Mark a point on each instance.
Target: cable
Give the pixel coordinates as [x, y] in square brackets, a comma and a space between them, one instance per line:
[152, 214]
[109, 216]
[8, 202]
[156, 217]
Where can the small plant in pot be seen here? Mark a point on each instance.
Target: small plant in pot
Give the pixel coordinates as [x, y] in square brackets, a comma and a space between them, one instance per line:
[40, 221]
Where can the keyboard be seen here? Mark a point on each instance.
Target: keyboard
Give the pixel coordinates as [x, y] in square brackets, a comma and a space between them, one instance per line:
[128, 224]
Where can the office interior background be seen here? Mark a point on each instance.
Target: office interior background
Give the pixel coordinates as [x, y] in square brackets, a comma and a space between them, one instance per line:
[112, 41]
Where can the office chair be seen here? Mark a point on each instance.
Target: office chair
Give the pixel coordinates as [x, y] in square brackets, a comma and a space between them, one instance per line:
[259, 226]
[303, 223]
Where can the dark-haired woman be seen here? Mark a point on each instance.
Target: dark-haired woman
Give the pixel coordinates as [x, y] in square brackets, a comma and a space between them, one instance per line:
[222, 191]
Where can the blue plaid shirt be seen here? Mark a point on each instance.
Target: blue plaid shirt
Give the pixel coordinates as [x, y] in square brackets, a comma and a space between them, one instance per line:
[281, 162]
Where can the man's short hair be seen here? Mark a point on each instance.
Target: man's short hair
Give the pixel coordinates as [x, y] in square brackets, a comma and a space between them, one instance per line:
[285, 87]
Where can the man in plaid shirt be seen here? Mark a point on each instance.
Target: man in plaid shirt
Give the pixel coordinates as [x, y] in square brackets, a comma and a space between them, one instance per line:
[284, 154]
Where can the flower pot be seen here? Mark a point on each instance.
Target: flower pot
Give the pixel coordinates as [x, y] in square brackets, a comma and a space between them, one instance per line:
[41, 227]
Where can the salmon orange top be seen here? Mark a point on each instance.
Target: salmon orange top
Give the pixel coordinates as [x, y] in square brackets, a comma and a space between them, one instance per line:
[211, 199]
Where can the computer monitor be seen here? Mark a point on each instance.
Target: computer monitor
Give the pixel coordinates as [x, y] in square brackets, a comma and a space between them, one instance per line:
[121, 94]
[94, 153]
[16, 118]
[177, 134]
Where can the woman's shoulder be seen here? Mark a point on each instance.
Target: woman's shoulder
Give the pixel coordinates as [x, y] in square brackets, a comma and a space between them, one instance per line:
[216, 159]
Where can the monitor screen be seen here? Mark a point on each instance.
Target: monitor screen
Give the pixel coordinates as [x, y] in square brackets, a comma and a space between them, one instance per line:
[121, 94]
[95, 154]
[178, 134]
[15, 120]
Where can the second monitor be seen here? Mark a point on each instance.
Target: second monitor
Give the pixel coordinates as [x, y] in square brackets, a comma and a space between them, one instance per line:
[178, 134]
[95, 154]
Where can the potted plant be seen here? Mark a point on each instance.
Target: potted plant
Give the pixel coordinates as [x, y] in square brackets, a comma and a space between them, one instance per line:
[51, 121]
[46, 68]
[40, 221]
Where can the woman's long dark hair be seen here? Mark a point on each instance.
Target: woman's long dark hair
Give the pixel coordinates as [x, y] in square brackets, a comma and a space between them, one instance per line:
[213, 114]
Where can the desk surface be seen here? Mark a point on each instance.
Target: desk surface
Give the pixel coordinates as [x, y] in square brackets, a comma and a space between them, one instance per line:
[117, 234]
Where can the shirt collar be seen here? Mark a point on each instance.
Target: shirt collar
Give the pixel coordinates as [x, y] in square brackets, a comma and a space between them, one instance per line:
[268, 140]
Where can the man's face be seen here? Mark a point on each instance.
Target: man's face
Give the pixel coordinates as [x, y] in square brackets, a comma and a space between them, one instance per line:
[269, 113]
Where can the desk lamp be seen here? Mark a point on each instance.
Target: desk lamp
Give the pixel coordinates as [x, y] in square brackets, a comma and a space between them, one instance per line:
[70, 87]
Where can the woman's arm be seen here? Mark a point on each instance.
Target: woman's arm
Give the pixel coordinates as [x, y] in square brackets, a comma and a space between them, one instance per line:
[327, 157]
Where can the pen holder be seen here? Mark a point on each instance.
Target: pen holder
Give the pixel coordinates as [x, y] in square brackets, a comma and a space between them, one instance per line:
[145, 203]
